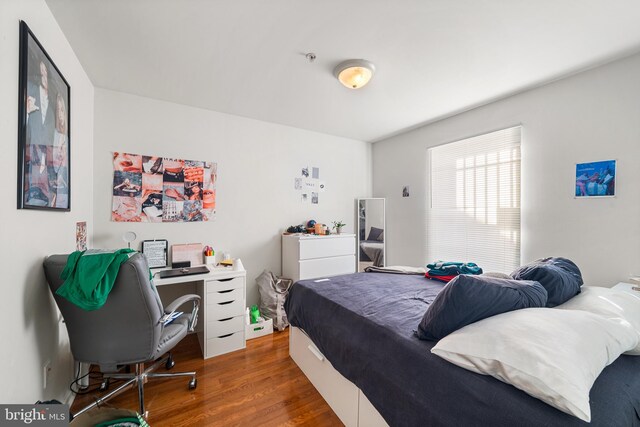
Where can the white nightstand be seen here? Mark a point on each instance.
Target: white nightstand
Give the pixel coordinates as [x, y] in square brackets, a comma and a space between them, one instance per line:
[633, 289]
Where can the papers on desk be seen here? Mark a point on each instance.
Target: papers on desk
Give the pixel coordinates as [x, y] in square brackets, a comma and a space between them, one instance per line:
[173, 317]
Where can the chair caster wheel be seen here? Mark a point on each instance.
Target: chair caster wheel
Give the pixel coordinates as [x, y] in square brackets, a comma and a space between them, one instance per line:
[170, 363]
[104, 386]
[193, 384]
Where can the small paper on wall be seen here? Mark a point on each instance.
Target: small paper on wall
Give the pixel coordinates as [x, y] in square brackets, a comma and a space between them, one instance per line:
[81, 236]
[309, 184]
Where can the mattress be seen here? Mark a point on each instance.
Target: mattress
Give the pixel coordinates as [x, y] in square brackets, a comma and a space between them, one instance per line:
[365, 324]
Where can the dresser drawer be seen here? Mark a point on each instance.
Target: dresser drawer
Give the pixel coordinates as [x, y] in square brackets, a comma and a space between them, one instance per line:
[224, 284]
[216, 328]
[225, 344]
[221, 297]
[327, 247]
[224, 309]
[324, 267]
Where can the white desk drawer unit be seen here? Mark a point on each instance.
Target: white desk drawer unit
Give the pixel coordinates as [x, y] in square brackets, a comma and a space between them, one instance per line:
[310, 256]
[223, 294]
[224, 310]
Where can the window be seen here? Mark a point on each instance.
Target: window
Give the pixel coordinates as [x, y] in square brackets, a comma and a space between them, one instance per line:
[474, 210]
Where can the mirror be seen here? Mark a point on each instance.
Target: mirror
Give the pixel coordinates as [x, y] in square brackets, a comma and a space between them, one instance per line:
[371, 233]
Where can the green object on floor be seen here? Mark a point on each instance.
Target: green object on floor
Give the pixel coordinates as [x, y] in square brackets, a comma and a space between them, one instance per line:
[254, 313]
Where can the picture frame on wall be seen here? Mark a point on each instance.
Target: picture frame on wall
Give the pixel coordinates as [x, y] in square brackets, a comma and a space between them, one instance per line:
[44, 121]
[595, 179]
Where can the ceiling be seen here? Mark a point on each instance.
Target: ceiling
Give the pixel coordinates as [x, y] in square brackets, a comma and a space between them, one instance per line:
[434, 58]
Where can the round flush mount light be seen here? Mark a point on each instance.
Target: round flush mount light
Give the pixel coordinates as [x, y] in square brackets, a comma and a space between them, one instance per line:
[354, 73]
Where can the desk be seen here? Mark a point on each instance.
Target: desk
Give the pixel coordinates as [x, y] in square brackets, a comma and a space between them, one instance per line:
[221, 321]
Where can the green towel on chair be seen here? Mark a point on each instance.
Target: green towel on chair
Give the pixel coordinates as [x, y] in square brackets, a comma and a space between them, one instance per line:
[90, 275]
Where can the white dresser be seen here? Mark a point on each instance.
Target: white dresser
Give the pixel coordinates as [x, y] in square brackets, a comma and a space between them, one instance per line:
[310, 256]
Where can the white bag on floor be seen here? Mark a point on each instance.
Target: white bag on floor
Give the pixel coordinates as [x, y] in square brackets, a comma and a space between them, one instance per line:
[273, 292]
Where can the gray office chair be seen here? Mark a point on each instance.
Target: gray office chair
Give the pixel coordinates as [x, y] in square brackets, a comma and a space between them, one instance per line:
[127, 330]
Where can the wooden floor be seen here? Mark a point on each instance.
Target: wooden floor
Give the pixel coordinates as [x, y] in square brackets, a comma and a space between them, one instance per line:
[257, 386]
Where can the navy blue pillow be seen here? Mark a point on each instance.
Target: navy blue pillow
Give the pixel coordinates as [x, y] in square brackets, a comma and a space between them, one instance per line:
[374, 233]
[559, 276]
[467, 299]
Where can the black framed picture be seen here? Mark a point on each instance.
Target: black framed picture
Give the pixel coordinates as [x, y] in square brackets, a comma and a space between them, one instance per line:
[44, 120]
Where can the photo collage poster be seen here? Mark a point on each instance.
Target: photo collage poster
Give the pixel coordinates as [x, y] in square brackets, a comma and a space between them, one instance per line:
[160, 189]
[309, 185]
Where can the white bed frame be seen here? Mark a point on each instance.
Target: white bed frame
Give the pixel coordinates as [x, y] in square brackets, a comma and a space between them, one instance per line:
[347, 401]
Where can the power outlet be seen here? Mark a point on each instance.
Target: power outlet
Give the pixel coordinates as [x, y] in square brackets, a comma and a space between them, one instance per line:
[46, 370]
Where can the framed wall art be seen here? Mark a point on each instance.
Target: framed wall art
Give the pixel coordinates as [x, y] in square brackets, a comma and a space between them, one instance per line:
[44, 119]
[596, 179]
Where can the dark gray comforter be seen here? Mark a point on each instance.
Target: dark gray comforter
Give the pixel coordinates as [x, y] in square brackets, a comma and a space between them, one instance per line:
[364, 324]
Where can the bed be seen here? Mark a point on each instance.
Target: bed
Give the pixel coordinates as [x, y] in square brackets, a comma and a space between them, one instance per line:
[363, 324]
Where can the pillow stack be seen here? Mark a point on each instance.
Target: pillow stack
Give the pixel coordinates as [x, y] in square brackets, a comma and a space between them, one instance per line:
[467, 299]
[540, 350]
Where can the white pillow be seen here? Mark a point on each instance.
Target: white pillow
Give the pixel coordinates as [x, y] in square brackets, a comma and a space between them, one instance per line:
[554, 355]
[610, 303]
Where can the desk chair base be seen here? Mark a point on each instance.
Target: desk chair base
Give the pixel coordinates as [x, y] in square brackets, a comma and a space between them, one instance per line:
[139, 378]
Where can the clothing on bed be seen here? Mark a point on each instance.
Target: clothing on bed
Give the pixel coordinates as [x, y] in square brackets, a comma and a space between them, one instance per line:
[450, 268]
[364, 325]
[443, 279]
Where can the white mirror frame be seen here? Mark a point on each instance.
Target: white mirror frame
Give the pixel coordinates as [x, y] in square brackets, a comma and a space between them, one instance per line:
[357, 230]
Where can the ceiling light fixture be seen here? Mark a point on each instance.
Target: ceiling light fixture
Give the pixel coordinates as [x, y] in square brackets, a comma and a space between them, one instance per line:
[354, 73]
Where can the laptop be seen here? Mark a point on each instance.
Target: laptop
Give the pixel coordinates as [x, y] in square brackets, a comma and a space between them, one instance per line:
[186, 271]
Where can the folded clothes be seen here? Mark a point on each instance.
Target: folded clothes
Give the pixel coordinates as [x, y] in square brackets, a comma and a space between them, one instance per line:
[450, 268]
[445, 279]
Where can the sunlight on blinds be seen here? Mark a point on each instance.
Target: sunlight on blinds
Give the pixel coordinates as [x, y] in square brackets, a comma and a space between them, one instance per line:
[474, 208]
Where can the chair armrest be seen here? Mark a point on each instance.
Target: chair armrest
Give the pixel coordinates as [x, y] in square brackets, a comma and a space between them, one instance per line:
[171, 308]
[179, 301]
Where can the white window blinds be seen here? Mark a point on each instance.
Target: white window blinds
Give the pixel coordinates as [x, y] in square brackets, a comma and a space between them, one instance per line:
[474, 209]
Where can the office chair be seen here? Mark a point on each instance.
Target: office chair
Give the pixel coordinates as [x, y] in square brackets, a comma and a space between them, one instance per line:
[127, 330]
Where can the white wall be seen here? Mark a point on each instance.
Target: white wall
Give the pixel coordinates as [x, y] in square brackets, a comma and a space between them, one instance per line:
[257, 163]
[589, 116]
[31, 333]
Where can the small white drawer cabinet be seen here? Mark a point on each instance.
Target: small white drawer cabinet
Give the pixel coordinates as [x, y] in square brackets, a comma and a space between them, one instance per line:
[311, 256]
[224, 305]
